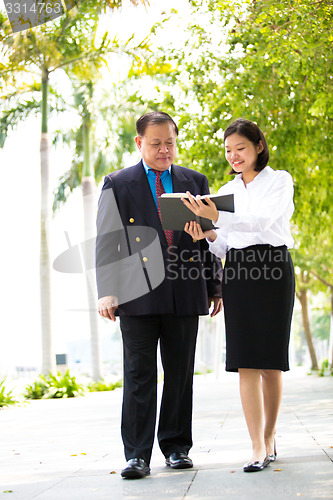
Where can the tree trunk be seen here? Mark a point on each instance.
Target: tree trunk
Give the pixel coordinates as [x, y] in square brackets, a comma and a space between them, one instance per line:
[330, 346]
[48, 357]
[89, 214]
[303, 298]
[330, 349]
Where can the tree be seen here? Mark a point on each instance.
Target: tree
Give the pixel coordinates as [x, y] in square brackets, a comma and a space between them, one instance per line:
[70, 41]
[270, 62]
[302, 294]
[328, 284]
[84, 169]
[314, 257]
[111, 113]
[83, 98]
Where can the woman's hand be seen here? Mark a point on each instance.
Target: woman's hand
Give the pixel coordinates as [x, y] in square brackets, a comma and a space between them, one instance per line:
[194, 229]
[197, 206]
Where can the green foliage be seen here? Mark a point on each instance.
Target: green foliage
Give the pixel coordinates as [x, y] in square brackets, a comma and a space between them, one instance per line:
[6, 397]
[321, 324]
[270, 62]
[37, 390]
[63, 386]
[101, 385]
[19, 105]
[11, 116]
[54, 386]
[73, 43]
[113, 114]
[324, 369]
[203, 372]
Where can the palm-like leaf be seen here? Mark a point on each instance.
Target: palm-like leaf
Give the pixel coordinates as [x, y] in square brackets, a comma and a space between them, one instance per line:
[69, 43]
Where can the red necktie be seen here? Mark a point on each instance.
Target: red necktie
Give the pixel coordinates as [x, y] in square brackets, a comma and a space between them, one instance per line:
[159, 191]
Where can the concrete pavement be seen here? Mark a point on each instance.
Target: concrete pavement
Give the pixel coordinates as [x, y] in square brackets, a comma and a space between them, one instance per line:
[71, 449]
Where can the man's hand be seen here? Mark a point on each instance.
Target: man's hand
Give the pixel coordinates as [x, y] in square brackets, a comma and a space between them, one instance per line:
[107, 306]
[218, 305]
[194, 230]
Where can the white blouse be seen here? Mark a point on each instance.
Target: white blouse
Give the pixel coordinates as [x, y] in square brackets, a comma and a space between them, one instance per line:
[263, 209]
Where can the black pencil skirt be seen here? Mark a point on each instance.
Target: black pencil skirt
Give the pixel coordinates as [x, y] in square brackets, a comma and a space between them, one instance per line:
[258, 296]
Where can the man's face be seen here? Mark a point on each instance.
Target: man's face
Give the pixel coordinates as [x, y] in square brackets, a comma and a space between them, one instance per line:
[158, 145]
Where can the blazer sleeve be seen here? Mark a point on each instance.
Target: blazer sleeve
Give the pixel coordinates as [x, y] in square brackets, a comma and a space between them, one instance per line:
[111, 244]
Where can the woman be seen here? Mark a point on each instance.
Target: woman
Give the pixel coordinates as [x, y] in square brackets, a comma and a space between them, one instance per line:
[258, 279]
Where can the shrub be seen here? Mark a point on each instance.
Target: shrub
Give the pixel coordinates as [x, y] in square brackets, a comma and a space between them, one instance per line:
[6, 397]
[63, 386]
[324, 368]
[37, 390]
[101, 385]
[54, 386]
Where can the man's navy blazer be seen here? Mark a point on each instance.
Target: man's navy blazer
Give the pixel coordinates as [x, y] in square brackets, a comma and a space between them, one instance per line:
[191, 273]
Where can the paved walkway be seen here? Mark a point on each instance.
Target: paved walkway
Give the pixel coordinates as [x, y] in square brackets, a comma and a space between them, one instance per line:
[71, 449]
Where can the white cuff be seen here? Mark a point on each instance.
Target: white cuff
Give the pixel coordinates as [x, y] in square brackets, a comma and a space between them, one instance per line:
[219, 246]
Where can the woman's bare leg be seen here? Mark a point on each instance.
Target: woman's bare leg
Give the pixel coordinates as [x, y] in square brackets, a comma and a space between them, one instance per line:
[252, 401]
[272, 394]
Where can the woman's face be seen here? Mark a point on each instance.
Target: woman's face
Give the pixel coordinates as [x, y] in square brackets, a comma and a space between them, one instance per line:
[241, 153]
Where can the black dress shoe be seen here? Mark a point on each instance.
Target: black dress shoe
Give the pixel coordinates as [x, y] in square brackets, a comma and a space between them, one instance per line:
[179, 460]
[256, 466]
[136, 469]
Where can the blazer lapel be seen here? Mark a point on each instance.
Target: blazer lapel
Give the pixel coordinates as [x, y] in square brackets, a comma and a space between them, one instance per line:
[141, 194]
[139, 188]
[180, 181]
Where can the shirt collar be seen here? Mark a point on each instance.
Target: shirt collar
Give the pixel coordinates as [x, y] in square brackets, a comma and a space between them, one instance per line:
[147, 168]
[263, 173]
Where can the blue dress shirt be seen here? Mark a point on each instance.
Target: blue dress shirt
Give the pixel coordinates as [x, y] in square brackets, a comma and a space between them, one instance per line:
[165, 178]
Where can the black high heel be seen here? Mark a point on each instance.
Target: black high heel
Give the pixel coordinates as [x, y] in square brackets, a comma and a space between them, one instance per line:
[273, 456]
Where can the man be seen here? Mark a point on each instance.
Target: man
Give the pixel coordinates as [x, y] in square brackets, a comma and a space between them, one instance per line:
[158, 283]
